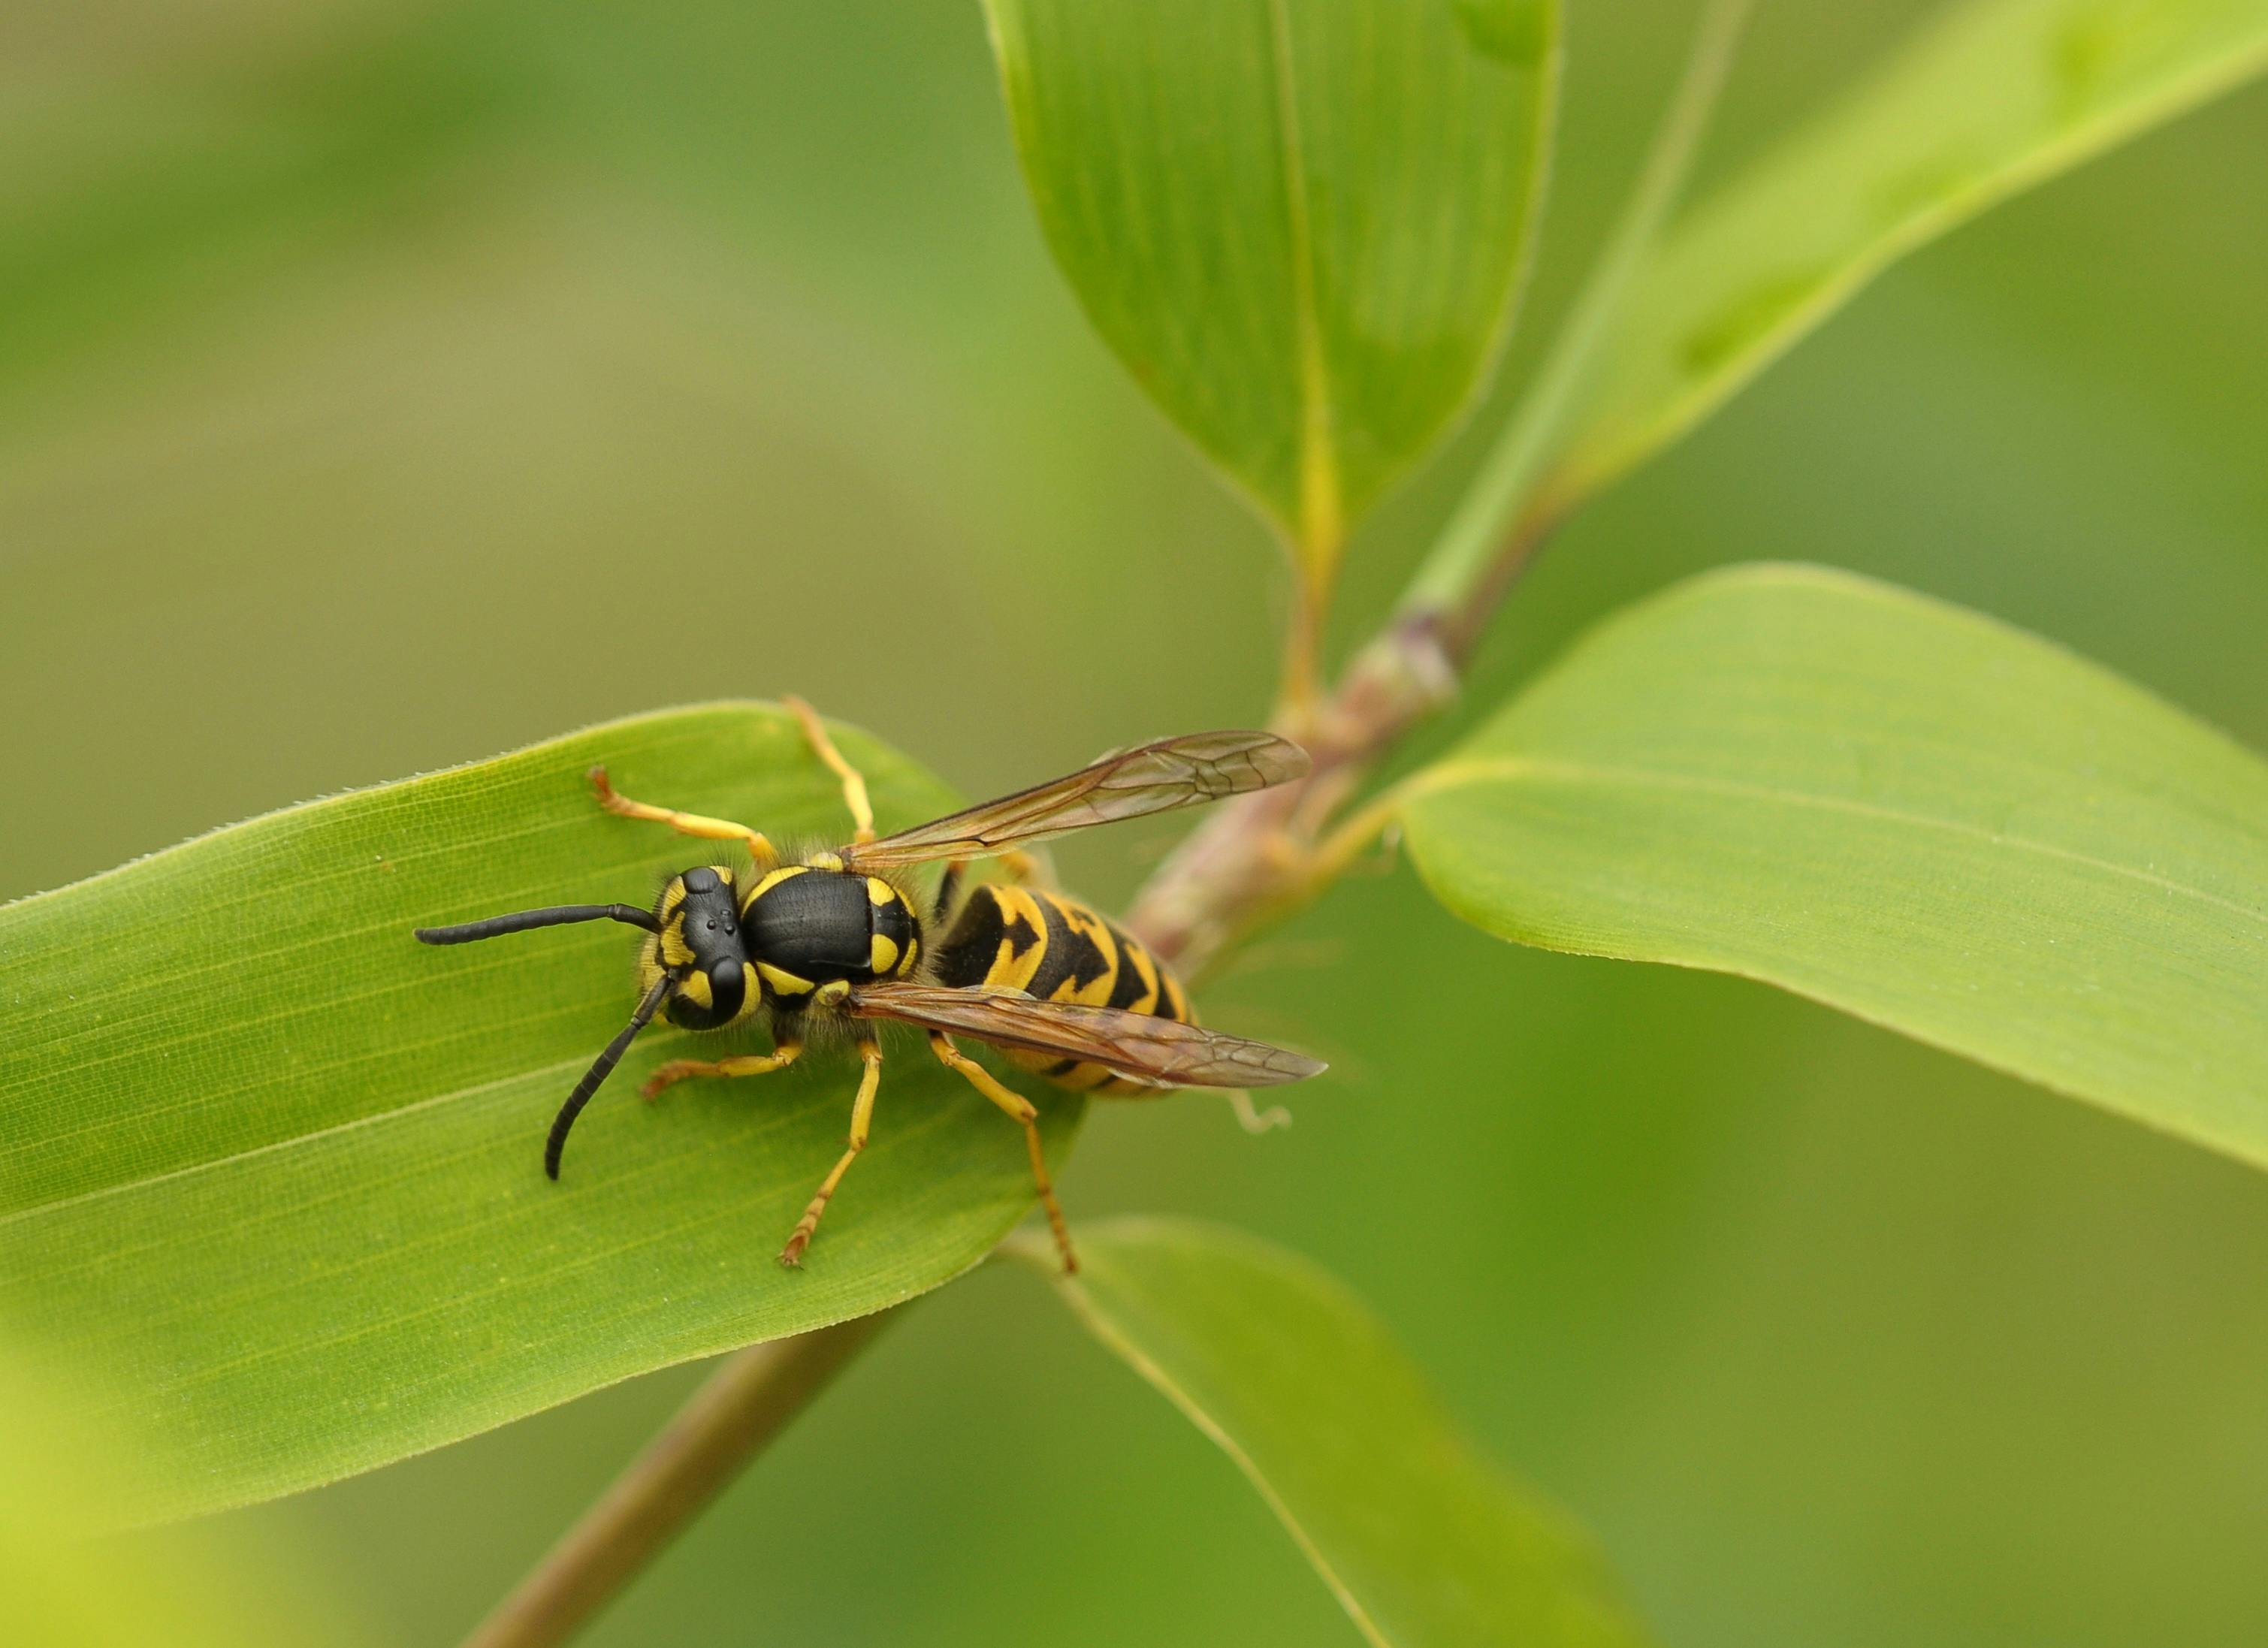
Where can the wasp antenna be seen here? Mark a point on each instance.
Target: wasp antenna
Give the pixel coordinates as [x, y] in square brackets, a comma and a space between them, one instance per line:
[555, 1145]
[521, 920]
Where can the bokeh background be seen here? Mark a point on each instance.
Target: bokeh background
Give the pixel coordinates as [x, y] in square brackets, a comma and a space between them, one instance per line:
[383, 385]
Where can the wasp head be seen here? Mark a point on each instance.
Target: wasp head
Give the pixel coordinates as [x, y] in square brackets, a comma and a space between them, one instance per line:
[698, 946]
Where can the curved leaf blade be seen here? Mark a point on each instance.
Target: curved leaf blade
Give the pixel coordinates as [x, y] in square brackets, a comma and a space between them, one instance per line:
[275, 1168]
[1991, 98]
[1909, 812]
[1300, 227]
[1423, 1542]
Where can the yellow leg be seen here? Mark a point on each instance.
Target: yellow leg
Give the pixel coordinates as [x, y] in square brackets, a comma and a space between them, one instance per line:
[1253, 1119]
[1021, 1107]
[745, 1065]
[862, 1112]
[854, 783]
[684, 823]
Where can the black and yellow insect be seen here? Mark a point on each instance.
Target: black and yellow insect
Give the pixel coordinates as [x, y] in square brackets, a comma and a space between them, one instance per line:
[838, 938]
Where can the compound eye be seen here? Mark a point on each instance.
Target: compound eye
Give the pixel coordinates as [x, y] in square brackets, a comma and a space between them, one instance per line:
[700, 880]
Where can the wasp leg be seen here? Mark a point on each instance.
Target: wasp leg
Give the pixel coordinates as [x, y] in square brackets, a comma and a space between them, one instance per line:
[744, 1064]
[1254, 1120]
[854, 782]
[684, 823]
[862, 1114]
[1020, 1109]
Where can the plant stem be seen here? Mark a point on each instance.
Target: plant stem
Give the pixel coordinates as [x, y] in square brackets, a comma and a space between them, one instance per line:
[742, 1406]
[1256, 858]
[1464, 559]
[1264, 855]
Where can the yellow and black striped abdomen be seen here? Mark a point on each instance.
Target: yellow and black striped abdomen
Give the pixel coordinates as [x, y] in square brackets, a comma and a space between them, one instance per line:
[1057, 949]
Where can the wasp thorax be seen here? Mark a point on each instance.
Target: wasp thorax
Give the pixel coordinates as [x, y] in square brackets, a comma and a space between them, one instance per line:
[815, 929]
[699, 946]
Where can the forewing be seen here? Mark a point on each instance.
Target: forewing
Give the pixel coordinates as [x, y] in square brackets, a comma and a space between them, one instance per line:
[1174, 772]
[1161, 1050]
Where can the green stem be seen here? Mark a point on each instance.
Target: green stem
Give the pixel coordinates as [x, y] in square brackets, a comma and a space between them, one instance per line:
[1464, 562]
[746, 1403]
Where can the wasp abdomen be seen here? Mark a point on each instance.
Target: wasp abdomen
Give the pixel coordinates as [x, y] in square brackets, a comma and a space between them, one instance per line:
[1057, 949]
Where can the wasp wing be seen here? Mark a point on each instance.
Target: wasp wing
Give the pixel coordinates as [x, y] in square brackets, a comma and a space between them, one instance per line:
[1157, 777]
[1160, 1051]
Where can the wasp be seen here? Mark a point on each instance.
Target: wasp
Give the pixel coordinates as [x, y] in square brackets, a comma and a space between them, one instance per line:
[838, 939]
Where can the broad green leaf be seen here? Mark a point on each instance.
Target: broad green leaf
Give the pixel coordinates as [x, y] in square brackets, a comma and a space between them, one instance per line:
[1991, 98]
[1422, 1541]
[1909, 812]
[1298, 224]
[276, 1168]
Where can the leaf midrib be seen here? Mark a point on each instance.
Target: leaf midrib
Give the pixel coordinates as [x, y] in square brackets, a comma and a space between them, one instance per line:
[162, 987]
[1456, 774]
[1317, 502]
[559, 1067]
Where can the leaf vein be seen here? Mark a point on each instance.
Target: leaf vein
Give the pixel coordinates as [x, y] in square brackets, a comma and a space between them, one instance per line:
[1457, 775]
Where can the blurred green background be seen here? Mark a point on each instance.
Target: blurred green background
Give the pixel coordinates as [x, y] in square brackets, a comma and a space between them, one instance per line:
[386, 385]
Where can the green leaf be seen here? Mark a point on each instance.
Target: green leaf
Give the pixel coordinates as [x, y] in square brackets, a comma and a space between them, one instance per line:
[1423, 1543]
[1909, 812]
[276, 1168]
[1991, 98]
[1300, 226]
